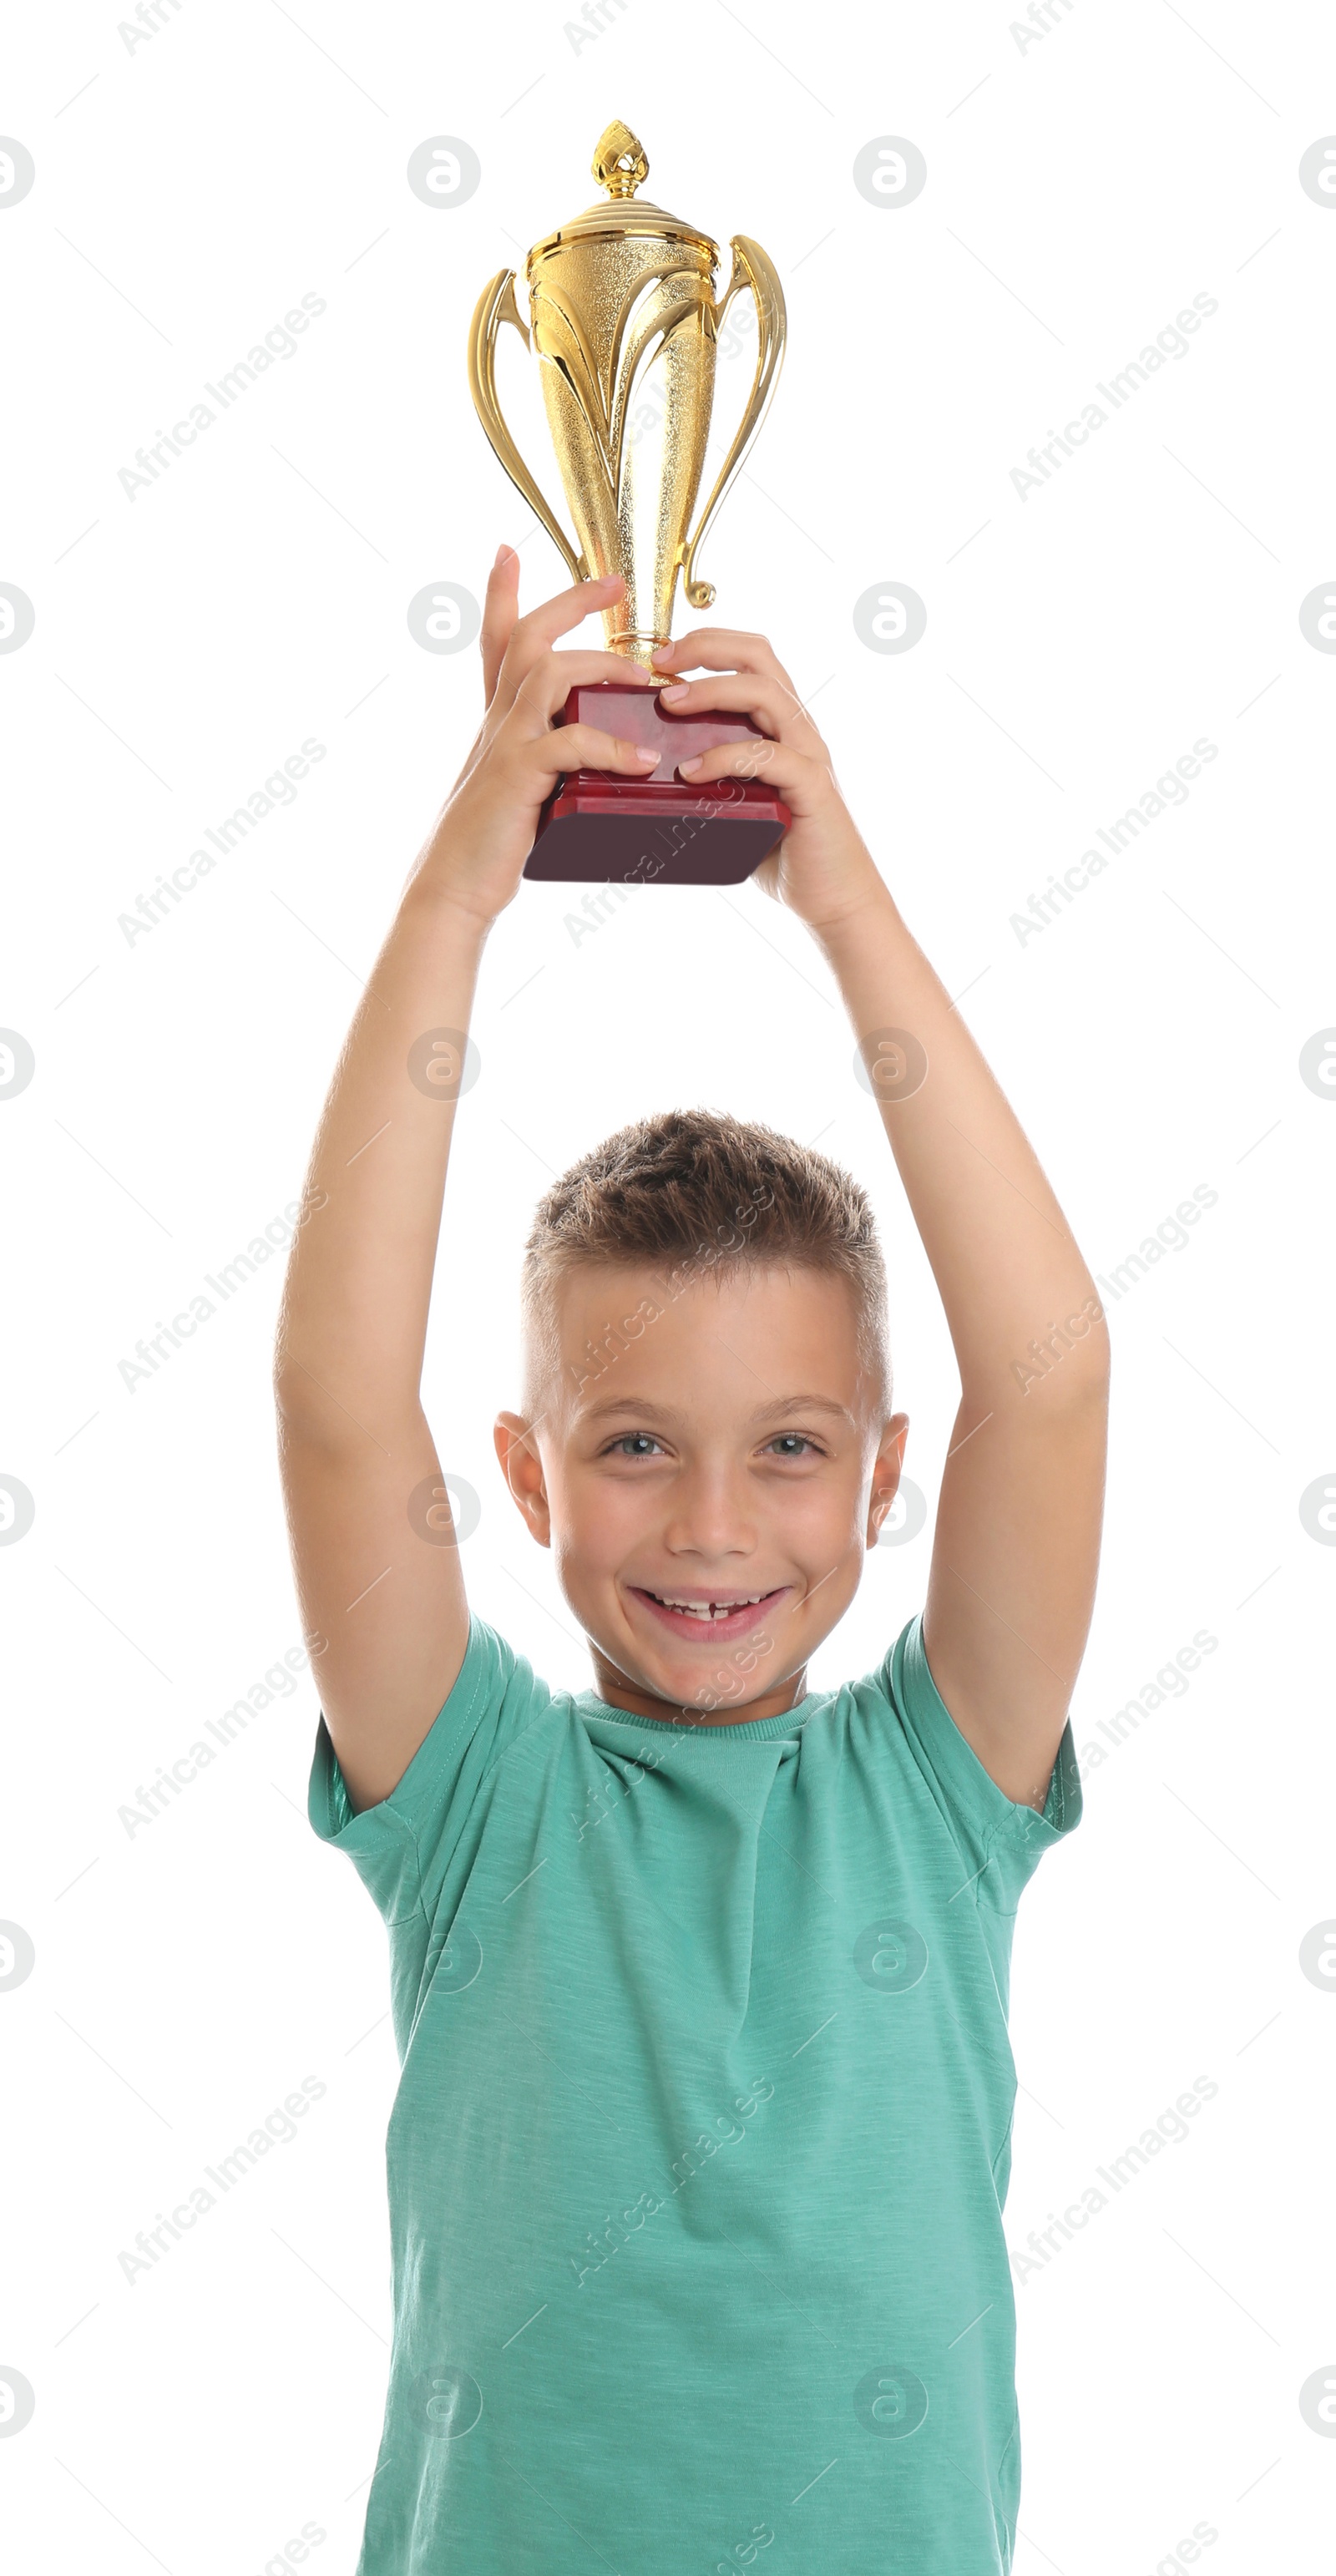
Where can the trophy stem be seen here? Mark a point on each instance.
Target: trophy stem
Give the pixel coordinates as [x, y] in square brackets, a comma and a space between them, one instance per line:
[635, 643]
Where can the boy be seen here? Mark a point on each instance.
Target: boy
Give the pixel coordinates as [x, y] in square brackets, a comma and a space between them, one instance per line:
[698, 2156]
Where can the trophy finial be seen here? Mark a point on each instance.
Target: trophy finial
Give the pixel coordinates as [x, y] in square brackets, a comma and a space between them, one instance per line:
[620, 161]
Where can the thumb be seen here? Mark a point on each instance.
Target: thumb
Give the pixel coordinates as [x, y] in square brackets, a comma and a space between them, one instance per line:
[499, 616]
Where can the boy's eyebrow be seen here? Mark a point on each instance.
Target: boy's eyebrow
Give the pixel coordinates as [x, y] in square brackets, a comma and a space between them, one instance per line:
[763, 1413]
[800, 1404]
[630, 1404]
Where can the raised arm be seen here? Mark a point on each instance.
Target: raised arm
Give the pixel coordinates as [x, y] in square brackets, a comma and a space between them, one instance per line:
[1017, 1540]
[377, 1576]
[1018, 1523]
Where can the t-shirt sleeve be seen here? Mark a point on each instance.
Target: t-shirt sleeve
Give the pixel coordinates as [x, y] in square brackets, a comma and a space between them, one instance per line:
[402, 1848]
[1000, 1843]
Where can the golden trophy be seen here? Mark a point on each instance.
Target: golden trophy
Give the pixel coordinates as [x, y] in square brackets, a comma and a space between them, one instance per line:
[624, 321]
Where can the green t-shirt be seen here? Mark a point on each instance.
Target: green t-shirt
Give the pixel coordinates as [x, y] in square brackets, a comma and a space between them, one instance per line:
[697, 2161]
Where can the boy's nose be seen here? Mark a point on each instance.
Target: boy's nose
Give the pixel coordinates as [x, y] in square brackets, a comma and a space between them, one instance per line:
[709, 1518]
[714, 1546]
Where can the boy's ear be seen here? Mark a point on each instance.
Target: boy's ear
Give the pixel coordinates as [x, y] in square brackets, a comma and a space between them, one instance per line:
[886, 1474]
[523, 1471]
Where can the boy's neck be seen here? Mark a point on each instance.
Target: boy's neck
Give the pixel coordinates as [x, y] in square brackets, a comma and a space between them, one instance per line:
[617, 1690]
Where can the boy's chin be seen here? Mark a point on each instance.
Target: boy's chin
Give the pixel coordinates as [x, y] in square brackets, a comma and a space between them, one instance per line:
[685, 1696]
[701, 1668]
[694, 1683]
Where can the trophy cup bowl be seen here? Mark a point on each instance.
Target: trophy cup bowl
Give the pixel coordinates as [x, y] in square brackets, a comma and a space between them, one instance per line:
[624, 322]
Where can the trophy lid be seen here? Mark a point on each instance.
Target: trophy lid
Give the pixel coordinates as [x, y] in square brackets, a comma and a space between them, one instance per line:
[620, 164]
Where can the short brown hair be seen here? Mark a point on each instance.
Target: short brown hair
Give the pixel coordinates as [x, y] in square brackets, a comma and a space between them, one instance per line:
[697, 1189]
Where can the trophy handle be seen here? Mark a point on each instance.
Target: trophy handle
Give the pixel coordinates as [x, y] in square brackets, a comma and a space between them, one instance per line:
[751, 268]
[496, 305]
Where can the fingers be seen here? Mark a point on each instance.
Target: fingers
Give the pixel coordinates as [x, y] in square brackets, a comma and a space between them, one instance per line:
[771, 704]
[794, 773]
[583, 746]
[544, 687]
[500, 610]
[538, 632]
[721, 648]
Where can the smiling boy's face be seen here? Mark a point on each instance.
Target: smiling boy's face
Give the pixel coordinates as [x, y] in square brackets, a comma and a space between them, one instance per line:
[710, 1493]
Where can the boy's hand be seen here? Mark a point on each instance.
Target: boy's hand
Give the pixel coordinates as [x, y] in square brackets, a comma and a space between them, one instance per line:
[485, 831]
[822, 868]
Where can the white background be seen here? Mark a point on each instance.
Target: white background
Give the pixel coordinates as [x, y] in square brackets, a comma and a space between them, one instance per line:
[1080, 192]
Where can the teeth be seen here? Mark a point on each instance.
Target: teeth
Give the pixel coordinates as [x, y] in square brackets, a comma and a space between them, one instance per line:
[708, 1610]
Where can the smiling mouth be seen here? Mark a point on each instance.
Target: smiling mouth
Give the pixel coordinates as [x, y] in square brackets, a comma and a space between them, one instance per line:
[709, 1611]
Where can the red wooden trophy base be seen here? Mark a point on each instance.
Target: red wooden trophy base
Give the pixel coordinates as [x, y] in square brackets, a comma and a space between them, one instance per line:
[660, 829]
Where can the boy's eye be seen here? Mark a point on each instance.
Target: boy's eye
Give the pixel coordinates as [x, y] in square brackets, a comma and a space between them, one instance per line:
[643, 1444]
